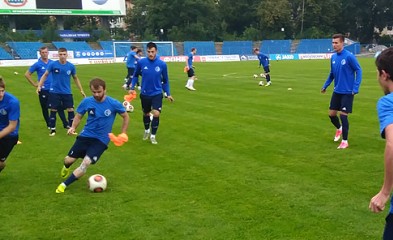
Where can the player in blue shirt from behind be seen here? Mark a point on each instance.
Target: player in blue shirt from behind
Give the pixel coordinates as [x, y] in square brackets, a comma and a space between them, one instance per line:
[131, 60]
[101, 111]
[40, 67]
[60, 95]
[190, 70]
[384, 63]
[155, 79]
[347, 75]
[9, 123]
[264, 62]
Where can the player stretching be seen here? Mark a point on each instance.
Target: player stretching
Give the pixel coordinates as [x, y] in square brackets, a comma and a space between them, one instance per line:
[101, 112]
[190, 70]
[155, 79]
[264, 61]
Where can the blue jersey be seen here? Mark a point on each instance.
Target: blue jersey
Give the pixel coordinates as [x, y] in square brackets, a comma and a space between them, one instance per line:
[61, 77]
[385, 117]
[346, 73]
[100, 117]
[9, 111]
[154, 76]
[190, 59]
[263, 60]
[131, 59]
[40, 67]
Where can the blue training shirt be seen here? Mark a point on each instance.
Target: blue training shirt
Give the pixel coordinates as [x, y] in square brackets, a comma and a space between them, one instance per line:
[61, 77]
[190, 59]
[9, 111]
[131, 59]
[346, 73]
[385, 117]
[154, 76]
[263, 60]
[100, 117]
[40, 67]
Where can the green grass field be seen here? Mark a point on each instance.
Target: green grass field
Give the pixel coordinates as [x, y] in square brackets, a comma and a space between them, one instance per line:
[234, 161]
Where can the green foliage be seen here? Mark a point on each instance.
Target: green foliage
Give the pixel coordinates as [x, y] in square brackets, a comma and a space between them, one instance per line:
[233, 161]
[49, 32]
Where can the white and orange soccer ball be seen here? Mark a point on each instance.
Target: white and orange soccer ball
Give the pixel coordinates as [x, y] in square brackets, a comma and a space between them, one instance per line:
[128, 106]
[97, 183]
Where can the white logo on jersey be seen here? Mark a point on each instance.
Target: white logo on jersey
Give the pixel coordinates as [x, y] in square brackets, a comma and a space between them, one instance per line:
[343, 62]
[68, 72]
[145, 68]
[107, 112]
[3, 112]
[157, 69]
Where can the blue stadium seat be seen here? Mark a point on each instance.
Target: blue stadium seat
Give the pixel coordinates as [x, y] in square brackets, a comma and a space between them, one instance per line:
[203, 48]
[26, 50]
[276, 46]
[237, 47]
[314, 46]
[73, 46]
[4, 55]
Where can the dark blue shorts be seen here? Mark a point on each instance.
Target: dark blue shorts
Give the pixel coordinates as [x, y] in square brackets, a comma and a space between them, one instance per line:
[151, 102]
[44, 97]
[130, 72]
[341, 102]
[60, 101]
[86, 146]
[6, 145]
[266, 69]
[388, 231]
[190, 72]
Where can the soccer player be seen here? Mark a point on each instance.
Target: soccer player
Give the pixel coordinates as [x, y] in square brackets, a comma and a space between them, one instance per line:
[9, 123]
[384, 63]
[190, 70]
[40, 67]
[264, 61]
[60, 91]
[101, 112]
[347, 75]
[155, 79]
[128, 83]
[132, 57]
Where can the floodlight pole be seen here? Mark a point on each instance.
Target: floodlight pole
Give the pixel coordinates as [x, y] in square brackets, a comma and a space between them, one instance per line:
[301, 28]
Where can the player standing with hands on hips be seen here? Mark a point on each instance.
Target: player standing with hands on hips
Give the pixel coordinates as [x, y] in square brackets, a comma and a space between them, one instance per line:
[101, 112]
[347, 75]
[155, 79]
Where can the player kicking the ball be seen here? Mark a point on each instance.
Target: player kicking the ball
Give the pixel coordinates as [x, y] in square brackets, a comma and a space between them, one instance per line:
[101, 111]
[264, 61]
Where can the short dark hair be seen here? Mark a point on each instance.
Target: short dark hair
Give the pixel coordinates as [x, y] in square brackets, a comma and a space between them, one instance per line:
[133, 47]
[138, 51]
[151, 45]
[43, 48]
[95, 83]
[192, 49]
[340, 36]
[62, 49]
[256, 49]
[384, 62]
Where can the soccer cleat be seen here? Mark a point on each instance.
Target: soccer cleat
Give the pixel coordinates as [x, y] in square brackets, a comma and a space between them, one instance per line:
[65, 172]
[19, 142]
[139, 88]
[124, 86]
[338, 135]
[52, 133]
[146, 135]
[153, 140]
[61, 188]
[268, 84]
[343, 145]
[190, 88]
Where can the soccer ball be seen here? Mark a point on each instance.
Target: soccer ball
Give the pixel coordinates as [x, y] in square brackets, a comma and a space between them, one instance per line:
[263, 75]
[128, 106]
[97, 183]
[260, 83]
[255, 75]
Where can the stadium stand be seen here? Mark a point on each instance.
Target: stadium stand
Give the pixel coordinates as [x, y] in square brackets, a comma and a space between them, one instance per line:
[276, 46]
[237, 47]
[74, 46]
[4, 55]
[25, 50]
[203, 48]
[315, 46]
